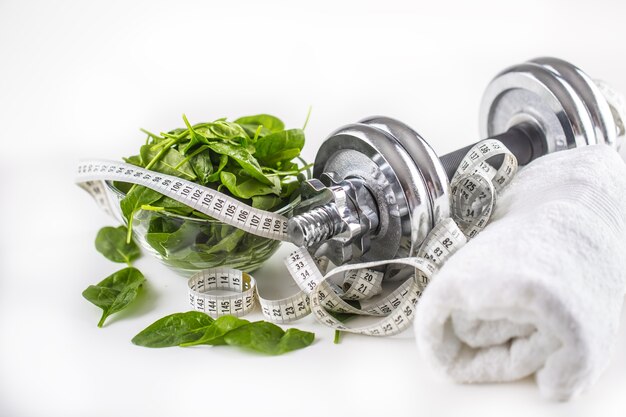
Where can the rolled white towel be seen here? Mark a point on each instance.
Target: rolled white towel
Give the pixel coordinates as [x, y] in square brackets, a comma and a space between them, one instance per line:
[540, 290]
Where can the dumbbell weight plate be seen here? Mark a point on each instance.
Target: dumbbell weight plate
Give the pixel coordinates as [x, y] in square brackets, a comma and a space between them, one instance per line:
[405, 213]
[530, 92]
[593, 99]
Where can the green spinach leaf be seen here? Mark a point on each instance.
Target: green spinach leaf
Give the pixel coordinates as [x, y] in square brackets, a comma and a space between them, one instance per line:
[172, 162]
[174, 330]
[266, 202]
[115, 292]
[228, 130]
[243, 157]
[136, 197]
[279, 146]
[195, 328]
[227, 243]
[271, 123]
[214, 334]
[215, 176]
[247, 187]
[266, 337]
[111, 242]
[202, 165]
[195, 138]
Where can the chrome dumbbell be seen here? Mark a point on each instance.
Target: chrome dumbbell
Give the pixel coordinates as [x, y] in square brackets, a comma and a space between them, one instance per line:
[379, 188]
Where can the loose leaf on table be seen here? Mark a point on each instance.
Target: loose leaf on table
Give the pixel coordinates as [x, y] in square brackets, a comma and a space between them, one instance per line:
[214, 334]
[267, 337]
[174, 330]
[195, 328]
[111, 242]
[115, 292]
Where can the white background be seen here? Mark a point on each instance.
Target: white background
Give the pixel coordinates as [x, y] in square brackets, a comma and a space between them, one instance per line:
[78, 78]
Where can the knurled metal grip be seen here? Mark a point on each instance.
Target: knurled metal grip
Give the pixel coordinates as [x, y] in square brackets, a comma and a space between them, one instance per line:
[379, 188]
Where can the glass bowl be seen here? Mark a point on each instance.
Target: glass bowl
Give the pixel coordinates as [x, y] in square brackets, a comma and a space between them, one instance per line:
[189, 244]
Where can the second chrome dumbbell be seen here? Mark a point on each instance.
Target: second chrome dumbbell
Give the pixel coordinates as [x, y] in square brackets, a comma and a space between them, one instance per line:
[379, 188]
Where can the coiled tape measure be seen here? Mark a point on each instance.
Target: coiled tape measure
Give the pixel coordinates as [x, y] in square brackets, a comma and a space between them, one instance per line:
[474, 189]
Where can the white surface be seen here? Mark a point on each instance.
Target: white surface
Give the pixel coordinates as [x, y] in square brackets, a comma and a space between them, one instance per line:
[77, 79]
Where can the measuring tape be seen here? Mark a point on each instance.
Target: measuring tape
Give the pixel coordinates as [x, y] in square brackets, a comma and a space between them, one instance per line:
[474, 189]
[203, 199]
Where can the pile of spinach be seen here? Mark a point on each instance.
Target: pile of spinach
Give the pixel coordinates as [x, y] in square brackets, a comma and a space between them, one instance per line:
[254, 159]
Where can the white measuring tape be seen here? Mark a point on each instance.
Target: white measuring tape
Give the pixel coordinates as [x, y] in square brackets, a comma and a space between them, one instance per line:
[474, 189]
[203, 199]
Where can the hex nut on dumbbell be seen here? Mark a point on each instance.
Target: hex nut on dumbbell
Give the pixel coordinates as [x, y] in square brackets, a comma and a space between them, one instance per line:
[333, 222]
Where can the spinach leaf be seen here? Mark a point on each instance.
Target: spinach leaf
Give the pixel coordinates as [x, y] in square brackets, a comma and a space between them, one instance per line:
[266, 202]
[171, 163]
[115, 292]
[111, 242]
[195, 138]
[136, 197]
[266, 337]
[181, 238]
[289, 186]
[271, 123]
[134, 160]
[227, 243]
[279, 146]
[195, 328]
[172, 206]
[227, 130]
[202, 165]
[279, 157]
[247, 187]
[243, 157]
[214, 334]
[174, 329]
[157, 241]
[216, 175]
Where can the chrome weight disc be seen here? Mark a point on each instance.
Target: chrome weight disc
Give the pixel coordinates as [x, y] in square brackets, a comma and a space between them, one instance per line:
[592, 97]
[376, 156]
[425, 159]
[532, 92]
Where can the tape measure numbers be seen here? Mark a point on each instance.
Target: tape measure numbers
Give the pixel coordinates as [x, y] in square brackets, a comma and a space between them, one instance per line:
[203, 199]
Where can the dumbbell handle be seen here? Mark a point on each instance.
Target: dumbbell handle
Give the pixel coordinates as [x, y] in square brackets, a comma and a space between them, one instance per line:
[525, 141]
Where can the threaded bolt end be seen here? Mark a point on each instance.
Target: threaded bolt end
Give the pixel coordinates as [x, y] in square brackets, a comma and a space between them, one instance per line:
[315, 225]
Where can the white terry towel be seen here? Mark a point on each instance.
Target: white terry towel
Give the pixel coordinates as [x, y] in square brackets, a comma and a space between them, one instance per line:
[541, 288]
